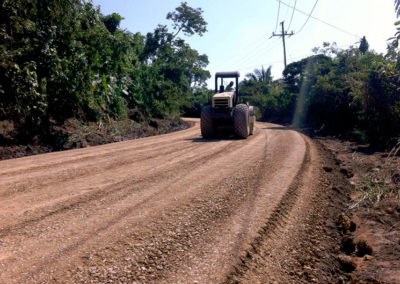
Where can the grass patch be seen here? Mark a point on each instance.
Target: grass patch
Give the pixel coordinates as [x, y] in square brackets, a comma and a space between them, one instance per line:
[372, 189]
[378, 183]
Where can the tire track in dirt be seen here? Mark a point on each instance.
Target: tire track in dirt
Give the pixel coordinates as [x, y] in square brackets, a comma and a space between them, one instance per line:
[58, 168]
[272, 255]
[8, 188]
[272, 224]
[152, 165]
[41, 162]
[247, 217]
[112, 189]
[214, 157]
[178, 216]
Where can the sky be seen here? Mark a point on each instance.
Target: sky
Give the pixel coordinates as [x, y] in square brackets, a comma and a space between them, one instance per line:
[239, 32]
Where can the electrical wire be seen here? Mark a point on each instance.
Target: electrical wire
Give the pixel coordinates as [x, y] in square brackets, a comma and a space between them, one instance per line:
[238, 51]
[259, 65]
[271, 63]
[262, 53]
[233, 60]
[321, 21]
[292, 59]
[291, 19]
[287, 10]
[277, 17]
[305, 23]
[237, 55]
[254, 53]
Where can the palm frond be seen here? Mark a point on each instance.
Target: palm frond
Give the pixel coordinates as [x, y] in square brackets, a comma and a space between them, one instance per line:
[397, 7]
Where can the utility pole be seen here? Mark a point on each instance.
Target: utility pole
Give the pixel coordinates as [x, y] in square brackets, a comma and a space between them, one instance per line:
[283, 34]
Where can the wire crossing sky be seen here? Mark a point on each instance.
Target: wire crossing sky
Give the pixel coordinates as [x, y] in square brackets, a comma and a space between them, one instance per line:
[277, 17]
[238, 31]
[309, 16]
[291, 18]
[319, 20]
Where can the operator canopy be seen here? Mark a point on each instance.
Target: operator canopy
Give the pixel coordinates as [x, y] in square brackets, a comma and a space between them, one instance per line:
[227, 74]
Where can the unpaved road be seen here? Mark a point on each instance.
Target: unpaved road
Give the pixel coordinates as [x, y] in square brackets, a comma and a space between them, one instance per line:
[170, 208]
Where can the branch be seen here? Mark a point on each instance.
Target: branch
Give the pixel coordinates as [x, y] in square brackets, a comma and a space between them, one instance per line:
[176, 33]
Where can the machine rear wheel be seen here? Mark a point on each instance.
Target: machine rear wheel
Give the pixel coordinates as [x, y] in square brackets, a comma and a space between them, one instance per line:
[206, 123]
[241, 121]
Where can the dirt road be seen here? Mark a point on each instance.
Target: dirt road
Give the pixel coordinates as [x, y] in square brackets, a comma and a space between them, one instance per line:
[170, 208]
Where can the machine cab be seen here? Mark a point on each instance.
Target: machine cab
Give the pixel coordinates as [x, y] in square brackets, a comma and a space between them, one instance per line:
[226, 96]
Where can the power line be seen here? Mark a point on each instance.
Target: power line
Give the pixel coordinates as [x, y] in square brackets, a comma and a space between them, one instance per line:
[262, 65]
[287, 10]
[305, 23]
[321, 21]
[261, 53]
[244, 51]
[277, 17]
[253, 53]
[237, 52]
[295, 58]
[272, 63]
[291, 19]
[240, 57]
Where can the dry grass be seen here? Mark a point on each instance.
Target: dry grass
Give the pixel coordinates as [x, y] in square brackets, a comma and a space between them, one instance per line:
[378, 182]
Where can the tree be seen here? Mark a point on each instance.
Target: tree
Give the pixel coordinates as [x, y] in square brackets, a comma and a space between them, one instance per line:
[112, 22]
[363, 45]
[62, 59]
[155, 40]
[261, 75]
[396, 37]
[187, 19]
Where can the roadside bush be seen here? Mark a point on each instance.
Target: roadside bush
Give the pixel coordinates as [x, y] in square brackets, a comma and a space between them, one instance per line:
[64, 59]
[351, 93]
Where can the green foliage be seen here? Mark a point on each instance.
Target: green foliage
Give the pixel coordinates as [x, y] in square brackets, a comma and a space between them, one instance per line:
[201, 97]
[396, 37]
[371, 189]
[188, 19]
[350, 93]
[62, 59]
[112, 22]
[257, 89]
[363, 45]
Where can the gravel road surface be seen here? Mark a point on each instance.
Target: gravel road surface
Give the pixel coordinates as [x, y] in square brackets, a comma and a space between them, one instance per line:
[172, 208]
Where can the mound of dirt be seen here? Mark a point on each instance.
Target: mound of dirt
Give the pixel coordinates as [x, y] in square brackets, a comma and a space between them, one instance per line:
[77, 134]
[374, 246]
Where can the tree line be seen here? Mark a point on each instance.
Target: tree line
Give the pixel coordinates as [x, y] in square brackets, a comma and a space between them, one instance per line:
[62, 59]
[354, 93]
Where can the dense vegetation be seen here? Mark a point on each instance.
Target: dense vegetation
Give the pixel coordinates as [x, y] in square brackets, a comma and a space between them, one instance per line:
[62, 59]
[354, 93]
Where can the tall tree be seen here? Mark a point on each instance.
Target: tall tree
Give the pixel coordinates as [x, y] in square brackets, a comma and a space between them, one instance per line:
[184, 18]
[363, 45]
[187, 19]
